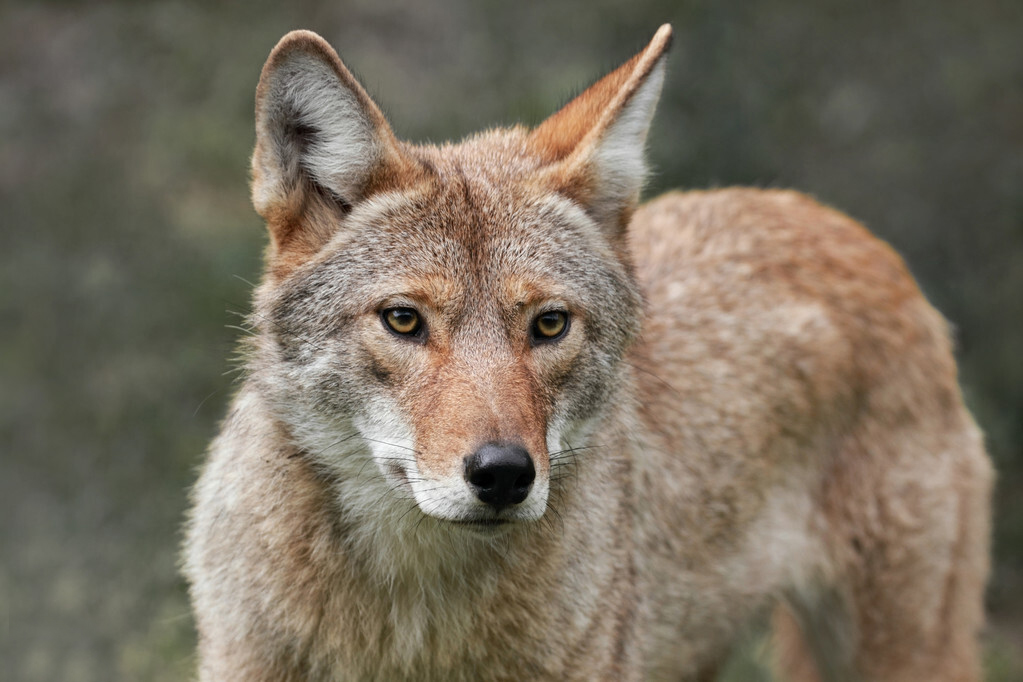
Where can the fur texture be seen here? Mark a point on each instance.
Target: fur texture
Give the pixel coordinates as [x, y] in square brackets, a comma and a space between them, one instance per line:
[751, 407]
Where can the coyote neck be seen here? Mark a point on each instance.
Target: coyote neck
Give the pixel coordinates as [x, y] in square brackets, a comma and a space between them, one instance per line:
[407, 588]
[417, 590]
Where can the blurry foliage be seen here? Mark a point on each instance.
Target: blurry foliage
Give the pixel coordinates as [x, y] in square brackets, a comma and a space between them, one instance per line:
[125, 130]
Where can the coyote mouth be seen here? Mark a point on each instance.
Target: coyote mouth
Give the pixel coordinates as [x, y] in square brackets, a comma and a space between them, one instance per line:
[482, 523]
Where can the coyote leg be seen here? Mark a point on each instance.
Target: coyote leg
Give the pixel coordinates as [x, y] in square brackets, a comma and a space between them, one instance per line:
[909, 519]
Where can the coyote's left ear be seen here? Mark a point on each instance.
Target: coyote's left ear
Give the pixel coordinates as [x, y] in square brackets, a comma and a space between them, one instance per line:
[595, 143]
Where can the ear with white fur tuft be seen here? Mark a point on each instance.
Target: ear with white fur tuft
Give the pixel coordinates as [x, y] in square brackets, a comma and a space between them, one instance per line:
[596, 142]
[319, 140]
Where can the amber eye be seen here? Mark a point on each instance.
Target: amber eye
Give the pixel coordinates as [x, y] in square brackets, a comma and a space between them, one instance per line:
[550, 325]
[404, 321]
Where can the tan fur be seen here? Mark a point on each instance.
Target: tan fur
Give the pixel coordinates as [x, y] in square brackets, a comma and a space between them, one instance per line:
[753, 407]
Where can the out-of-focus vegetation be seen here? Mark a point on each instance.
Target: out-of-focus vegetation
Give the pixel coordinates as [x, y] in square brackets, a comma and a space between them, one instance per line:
[125, 130]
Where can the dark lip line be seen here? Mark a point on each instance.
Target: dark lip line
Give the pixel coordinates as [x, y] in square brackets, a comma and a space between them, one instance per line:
[481, 522]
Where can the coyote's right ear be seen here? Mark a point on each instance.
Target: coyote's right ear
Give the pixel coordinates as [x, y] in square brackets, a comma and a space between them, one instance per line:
[595, 143]
[320, 140]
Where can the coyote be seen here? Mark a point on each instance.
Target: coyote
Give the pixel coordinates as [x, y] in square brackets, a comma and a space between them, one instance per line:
[501, 422]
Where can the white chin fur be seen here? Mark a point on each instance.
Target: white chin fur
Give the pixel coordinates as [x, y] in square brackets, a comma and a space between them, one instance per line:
[391, 443]
[452, 500]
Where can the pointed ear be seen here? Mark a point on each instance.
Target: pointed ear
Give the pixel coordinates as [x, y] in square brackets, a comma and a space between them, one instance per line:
[595, 143]
[320, 140]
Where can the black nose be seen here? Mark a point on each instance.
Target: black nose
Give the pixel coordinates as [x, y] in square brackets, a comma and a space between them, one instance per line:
[500, 475]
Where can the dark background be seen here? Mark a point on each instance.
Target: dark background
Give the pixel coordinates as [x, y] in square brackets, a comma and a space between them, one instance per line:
[127, 237]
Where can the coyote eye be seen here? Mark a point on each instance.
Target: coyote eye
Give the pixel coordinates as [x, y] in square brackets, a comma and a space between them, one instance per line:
[549, 326]
[403, 321]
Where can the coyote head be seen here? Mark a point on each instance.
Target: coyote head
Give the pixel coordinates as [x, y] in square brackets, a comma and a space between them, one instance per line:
[444, 321]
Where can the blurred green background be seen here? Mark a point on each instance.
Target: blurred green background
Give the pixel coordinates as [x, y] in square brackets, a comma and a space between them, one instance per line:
[127, 237]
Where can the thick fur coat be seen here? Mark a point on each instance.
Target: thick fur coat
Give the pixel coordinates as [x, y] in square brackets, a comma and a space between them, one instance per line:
[730, 402]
